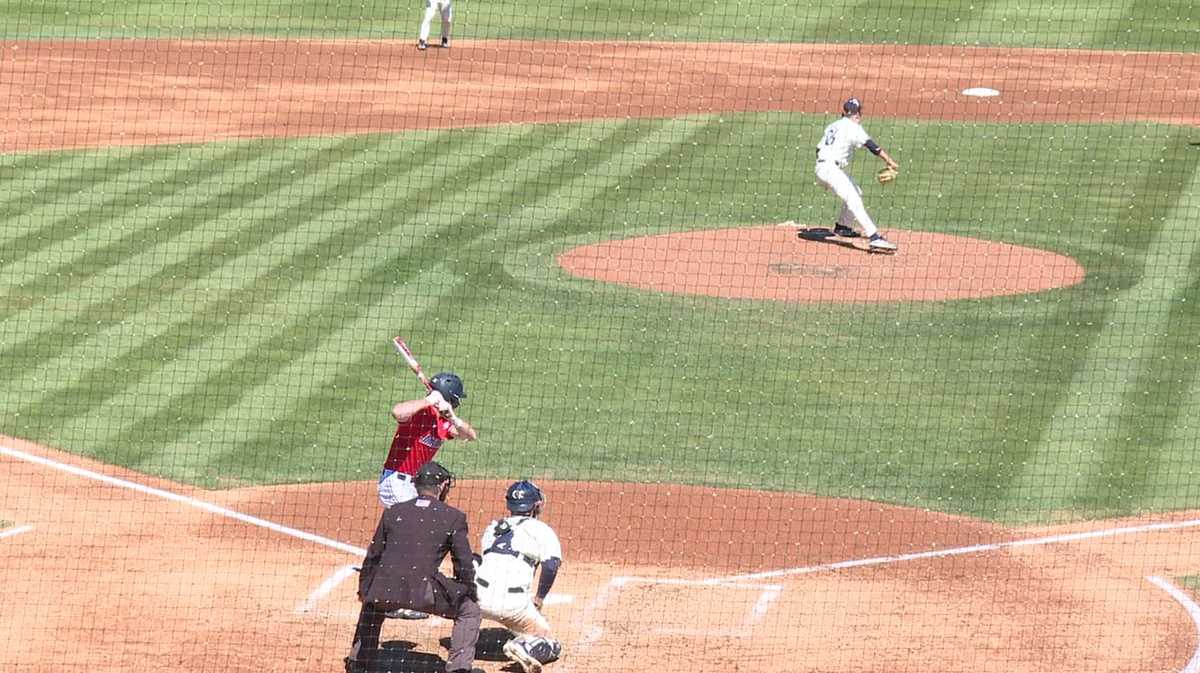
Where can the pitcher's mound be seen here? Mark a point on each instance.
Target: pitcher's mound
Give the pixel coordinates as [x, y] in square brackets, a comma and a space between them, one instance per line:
[786, 263]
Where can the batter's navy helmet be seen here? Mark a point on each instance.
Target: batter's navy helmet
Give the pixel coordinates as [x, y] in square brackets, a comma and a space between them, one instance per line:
[852, 106]
[450, 386]
[523, 497]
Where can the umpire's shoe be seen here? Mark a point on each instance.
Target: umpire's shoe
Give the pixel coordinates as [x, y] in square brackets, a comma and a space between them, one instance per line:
[355, 666]
[445, 43]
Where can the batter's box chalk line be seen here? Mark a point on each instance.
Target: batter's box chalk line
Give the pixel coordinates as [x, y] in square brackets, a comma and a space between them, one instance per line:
[767, 595]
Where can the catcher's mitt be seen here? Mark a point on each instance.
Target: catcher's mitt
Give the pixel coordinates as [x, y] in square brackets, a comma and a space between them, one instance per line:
[887, 175]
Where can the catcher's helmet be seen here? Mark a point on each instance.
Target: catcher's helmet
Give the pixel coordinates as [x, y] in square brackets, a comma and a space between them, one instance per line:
[450, 386]
[852, 106]
[433, 474]
[523, 497]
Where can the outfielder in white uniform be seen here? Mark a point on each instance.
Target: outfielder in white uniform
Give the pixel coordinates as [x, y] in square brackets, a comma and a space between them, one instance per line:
[513, 548]
[834, 151]
[446, 8]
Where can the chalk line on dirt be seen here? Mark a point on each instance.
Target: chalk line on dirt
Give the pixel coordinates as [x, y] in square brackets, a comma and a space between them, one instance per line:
[183, 499]
[10, 532]
[1193, 610]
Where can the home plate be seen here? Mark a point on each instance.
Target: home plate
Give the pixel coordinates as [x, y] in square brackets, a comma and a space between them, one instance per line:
[980, 92]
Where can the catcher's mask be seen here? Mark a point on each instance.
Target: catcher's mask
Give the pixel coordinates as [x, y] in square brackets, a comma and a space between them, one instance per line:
[524, 497]
[852, 106]
[450, 386]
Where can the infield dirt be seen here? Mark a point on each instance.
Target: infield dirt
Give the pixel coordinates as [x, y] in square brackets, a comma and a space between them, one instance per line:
[111, 579]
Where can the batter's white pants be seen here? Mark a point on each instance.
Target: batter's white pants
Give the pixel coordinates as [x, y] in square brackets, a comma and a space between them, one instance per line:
[395, 487]
[836, 181]
[447, 10]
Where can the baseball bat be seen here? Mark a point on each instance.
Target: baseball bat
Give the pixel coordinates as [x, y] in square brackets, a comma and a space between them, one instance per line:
[411, 361]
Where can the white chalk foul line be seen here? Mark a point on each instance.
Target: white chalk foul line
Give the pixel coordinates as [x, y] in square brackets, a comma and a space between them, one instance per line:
[322, 591]
[957, 551]
[1193, 610]
[9, 532]
[622, 580]
[183, 499]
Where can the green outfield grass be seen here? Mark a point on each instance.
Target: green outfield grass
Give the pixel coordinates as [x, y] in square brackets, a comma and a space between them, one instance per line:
[1161, 25]
[221, 314]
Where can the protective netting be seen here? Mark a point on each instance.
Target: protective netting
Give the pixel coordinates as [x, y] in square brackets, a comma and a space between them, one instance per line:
[778, 414]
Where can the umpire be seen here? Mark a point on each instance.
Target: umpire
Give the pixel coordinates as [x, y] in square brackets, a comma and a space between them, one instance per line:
[401, 571]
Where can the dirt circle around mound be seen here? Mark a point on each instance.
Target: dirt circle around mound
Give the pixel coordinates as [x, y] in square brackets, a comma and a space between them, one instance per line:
[809, 265]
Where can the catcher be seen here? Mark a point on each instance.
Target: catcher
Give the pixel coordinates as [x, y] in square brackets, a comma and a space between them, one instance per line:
[834, 152]
[514, 548]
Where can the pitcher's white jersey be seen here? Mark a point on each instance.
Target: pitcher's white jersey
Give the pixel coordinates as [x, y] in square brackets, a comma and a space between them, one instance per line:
[839, 141]
[513, 547]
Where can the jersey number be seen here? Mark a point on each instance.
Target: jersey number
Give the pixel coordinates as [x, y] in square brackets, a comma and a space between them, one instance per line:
[830, 136]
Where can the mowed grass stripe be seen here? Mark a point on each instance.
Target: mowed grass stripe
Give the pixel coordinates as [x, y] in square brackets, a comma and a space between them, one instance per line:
[170, 265]
[110, 326]
[638, 173]
[58, 248]
[1085, 428]
[321, 297]
[540, 164]
[1159, 397]
[1003, 22]
[569, 186]
[190, 329]
[136, 271]
[30, 179]
[1115, 25]
[1161, 420]
[345, 285]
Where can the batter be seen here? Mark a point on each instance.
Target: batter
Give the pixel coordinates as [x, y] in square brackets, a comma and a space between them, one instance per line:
[422, 426]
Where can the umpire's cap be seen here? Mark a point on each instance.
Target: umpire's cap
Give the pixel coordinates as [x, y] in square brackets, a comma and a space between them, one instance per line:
[450, 386]
[433, 474]
[852, 106]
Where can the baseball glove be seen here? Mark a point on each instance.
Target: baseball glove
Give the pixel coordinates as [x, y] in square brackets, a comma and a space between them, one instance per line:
[887, 175]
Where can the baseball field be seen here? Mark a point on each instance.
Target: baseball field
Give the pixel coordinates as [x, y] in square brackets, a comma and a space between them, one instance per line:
[762, 450]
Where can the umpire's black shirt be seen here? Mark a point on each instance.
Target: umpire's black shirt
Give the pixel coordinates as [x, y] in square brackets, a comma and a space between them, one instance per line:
[401, 566]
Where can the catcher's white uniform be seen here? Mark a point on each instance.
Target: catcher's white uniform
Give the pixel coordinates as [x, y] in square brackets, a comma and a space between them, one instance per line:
[834, 152]
[513, 548]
